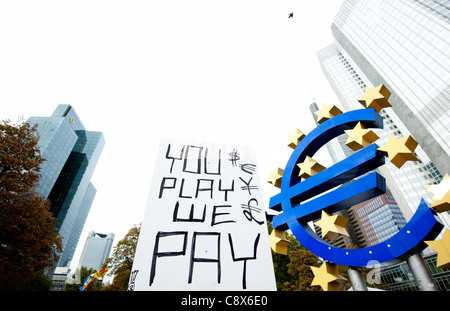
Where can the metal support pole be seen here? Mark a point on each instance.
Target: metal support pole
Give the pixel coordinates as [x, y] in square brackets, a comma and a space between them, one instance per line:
[357, 279]
[421, 273]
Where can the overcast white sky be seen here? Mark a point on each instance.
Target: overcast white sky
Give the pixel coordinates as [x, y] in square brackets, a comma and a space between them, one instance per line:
[235, 72]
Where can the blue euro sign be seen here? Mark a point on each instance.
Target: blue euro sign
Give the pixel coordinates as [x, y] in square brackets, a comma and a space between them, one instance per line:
[296, 215]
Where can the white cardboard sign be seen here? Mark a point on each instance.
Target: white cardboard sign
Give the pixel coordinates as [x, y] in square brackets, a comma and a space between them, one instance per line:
[204, 227]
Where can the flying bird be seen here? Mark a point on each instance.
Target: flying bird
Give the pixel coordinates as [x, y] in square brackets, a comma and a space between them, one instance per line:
[291, 15]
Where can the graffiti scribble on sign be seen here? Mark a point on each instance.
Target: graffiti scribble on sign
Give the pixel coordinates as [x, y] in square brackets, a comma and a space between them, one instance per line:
[199, 200]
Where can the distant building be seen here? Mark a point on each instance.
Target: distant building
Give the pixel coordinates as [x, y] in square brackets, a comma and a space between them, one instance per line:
[96, 250]
[71, 154]
[59, 278]
[379, 218]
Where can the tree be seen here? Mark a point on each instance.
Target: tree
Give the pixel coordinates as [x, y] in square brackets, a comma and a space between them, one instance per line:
[28, 239]
[300, 268]
[292, 271]
[121, 261]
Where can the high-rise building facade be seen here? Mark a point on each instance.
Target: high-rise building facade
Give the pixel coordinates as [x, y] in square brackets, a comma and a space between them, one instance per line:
[404, 45]
[96, 250]
[349, 67]
[72, 153]
[379, 218]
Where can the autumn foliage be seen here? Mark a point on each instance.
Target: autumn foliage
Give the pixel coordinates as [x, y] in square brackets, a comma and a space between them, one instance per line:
[28, 239]
[122, 259]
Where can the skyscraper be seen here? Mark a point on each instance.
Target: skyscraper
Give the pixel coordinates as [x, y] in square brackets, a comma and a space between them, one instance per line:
[365, 55]
[72, 153]
[404, 45]
[379, 218]
[96, 250]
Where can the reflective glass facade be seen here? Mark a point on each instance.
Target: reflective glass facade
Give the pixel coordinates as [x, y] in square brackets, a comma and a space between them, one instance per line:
[72, 153]
[379, 218]
[404, 44]
[96, 250]
[56, 142]
[400, 278]
[349, 80]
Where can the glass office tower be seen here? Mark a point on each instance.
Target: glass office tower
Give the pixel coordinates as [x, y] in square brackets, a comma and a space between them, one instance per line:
[349, 67]
[96, 250]
[379, 218]
[404, 45]
[72, 153]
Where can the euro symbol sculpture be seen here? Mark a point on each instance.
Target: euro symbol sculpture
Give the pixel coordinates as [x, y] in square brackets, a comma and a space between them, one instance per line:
[356, 185]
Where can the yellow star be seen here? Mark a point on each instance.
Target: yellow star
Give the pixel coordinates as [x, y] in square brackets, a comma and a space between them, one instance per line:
[309, 167]
[275, 177]
[400, 150]
[441, 200]
[332, 226]
[295, 138]
[326, 112]
[443, 249]
[360, 137]
[327, 276]
[278, 242]
[376, 98]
